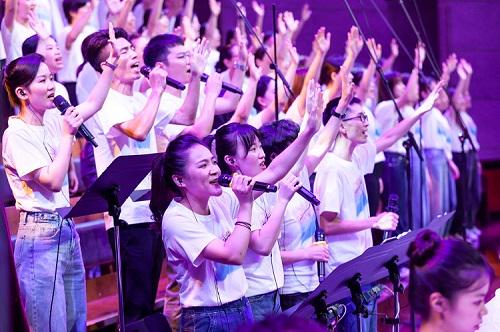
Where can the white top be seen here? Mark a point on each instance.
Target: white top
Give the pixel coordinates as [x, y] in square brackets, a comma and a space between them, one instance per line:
[264, 273]
[2, 49]
[297, 232]
[340, 186]
[456, 132]
[13, 40]
[436, 132]
[374, 131]
[119, 108]
[386, 116]
[26, 148]
[185, 235]
[73, 57]
[85, 82]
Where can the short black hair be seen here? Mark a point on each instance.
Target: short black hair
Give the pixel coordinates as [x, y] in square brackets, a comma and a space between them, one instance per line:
[94, 44]
[30, 44]
[332, 105]
[72, 6]
[277, 136]
[158, 48]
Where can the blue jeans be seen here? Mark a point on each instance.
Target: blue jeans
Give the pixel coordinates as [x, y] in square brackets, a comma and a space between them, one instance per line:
[264, 305]
[227, 317]
[35, 257]
[442, 196]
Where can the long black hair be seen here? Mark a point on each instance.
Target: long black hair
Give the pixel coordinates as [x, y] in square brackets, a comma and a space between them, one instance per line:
[172, 162]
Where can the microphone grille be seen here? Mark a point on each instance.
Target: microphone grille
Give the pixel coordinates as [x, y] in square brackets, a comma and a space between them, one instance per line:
[145, 70]
[61, 103]
[224, 180]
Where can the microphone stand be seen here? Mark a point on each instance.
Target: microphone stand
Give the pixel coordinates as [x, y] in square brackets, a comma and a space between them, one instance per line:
[465, 132]
[410, 142]
[277, 71]
[394, 276]
[275, 29]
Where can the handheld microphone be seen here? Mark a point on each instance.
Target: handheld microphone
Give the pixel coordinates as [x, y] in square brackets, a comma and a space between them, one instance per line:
[225, 181]
[320, 236]
[62, 105]
[309, 196]
[225, 86]
[145, 70]
[392, 206]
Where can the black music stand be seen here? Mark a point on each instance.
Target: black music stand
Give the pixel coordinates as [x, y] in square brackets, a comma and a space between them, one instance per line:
[346, 280]
[107, 194]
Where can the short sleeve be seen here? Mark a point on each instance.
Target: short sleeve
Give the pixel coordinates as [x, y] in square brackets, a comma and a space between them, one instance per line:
[114, 112]
[261, 211]
[231, 201]
[26, 159]
[329, 191]
[189, 235]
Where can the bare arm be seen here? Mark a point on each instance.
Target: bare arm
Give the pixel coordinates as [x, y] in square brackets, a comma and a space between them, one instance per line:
[79, 24]
[10, 14]
[388, 63]
[263, 240]
[332, 225]
[395, 133]
[246, 102]
[364, 85]
[234, 249]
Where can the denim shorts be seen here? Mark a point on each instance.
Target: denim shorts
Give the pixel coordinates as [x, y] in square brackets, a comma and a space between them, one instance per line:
[42, 239]
[224, 318]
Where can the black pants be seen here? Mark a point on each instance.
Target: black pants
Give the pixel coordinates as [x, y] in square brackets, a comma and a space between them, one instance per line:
[142, 254]
[289, 300]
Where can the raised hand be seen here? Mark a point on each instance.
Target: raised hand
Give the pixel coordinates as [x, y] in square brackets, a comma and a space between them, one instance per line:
[461, 71]
[242, 8]
[291, 23]
[214, 85]
[354, 41]
[322, 41]
[255, 72]
[313, 114]
[347, 88]
[394, 48]
[259, 9]
[114, 55]
[37, 25]
[420, 53]
[467, 67]
[199, 55]
[306, 13]
[374, 48]
[428, 103]
[451, 63]
[294, 55]
[215, 7]
[288, 186]
[281, 24]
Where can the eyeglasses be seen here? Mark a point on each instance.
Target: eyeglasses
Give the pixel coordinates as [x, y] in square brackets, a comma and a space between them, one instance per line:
[362, 116]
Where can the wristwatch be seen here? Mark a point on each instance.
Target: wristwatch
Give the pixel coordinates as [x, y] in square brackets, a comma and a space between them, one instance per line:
[110, 65]
[340, 116]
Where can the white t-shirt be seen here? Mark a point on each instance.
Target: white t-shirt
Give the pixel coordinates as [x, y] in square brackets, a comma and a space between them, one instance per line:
[297, 232]
[85, 82]
[13, 40]
[456, 132]
[436, 132]
[3, 55]
[73, 57]
[264, 273]
[387, 118]
[374, 131]
[185, 235]
[26, 148]
[119, 108]
[341, 188]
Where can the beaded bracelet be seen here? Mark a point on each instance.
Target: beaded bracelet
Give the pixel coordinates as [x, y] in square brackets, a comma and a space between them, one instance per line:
[243, 224]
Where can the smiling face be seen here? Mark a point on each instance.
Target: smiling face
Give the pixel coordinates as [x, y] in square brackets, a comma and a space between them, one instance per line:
[201, 173]
[127, 70]
[52, 54]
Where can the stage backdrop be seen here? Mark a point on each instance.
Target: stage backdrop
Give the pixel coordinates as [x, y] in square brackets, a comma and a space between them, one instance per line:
[468, 27]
